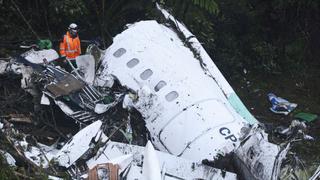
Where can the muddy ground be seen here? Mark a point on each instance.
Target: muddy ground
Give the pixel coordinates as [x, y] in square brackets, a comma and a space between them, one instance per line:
[253, 88]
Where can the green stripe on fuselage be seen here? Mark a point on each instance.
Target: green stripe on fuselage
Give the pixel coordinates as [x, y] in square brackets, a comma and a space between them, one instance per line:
[241, 109]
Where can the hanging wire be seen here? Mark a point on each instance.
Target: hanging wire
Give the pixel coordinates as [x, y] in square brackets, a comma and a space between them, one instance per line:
[24, 19]
[46, 19]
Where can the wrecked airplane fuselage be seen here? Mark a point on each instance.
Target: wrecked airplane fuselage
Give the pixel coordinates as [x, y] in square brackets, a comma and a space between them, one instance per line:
[183, 107]
[189, 108]
[190, 111]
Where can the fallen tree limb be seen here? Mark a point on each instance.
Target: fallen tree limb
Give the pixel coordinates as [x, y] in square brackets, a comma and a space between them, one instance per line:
[8, 133]
[20, 118]
[44, 155]
[22, 175]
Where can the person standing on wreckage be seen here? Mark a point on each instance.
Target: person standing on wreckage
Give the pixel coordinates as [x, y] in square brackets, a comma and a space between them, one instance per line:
[70, 47]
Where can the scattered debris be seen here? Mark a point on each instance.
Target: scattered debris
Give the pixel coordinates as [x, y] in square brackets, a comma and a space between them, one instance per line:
[297, 130]
[280, 105]
[169, 101]
[81, 157]
[44, 100]
[307, 117]
[9, 158]
[19, 118]
[257, 154]
[316, 174]
[293, 168]
[104, 171]
[54, 178]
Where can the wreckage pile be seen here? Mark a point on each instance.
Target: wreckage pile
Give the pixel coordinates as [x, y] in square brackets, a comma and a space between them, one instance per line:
[90, 153]
[135, 94]
[27, 125]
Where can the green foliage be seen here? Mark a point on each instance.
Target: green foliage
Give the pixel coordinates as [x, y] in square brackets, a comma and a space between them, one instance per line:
[62, 13]
[270, 36]
[266, 56]
[198, 16]
[114, 15]
[69, 9]
[209, 5]
[266, 36]
[6, 172]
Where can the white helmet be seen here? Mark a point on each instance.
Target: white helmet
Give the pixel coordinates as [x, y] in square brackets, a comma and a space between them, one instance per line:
[73, 26]
[73, 29]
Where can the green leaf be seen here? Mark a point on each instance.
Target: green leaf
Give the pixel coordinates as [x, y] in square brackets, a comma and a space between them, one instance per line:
[209, 5]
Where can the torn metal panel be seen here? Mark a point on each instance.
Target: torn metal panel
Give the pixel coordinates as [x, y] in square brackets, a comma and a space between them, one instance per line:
[38, 154]
[20, 69]
[54, 178]
[69, 90]
[68, 84]
[84, 116]
[64, 107]
[41, 155]
[257, 158]
[10, 160]
[44, 100]
[86, 65]
[37, 57]
[78, 145]
[122, 155]
[174, 166]
[151, 166]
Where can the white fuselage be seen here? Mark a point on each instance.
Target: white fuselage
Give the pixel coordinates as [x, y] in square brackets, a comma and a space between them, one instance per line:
[185, 110]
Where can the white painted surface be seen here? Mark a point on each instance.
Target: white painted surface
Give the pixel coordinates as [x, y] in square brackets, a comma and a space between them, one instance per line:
[66, 109]
[174, 166]
[151, 166]
[86, 65]
[3, 67]
[38, 56]
[54, 178]
[40, 155]
[123, 161]
[44, 100]
[9, 158]
[101, 108]
[197, 123]
[262, 158]
[211, 68]
[78, 145]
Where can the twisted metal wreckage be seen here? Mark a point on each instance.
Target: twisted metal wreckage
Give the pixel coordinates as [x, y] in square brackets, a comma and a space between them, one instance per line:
[189, 109]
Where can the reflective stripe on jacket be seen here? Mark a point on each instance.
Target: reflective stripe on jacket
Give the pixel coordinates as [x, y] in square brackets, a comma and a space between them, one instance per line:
[70, 47]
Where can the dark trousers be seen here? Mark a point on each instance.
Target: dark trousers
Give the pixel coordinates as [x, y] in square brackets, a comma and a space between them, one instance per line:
[65, 64]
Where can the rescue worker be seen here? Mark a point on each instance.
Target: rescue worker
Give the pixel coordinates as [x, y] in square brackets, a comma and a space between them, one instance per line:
[70, 46]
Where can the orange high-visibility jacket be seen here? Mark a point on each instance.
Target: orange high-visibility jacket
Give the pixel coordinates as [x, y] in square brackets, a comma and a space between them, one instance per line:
[70, 47]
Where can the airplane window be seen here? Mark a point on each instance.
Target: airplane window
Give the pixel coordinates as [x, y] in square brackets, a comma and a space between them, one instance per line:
[132, 63]
[171, 96]
[119, 52]
[160, 85]
[146, 74]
